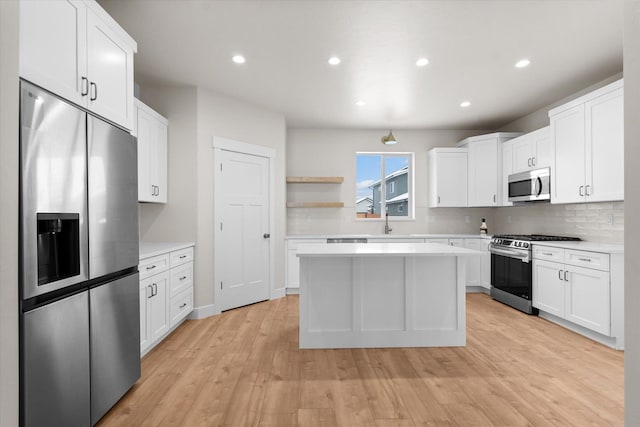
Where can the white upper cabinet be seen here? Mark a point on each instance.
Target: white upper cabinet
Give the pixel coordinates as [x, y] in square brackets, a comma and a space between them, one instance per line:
[151, 130]
[447, 177]
[531, 151]
[587, 137]
[77, 51]
[484, 168]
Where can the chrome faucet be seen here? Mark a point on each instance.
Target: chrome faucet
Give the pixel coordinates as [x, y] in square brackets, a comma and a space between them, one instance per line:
[387, 229]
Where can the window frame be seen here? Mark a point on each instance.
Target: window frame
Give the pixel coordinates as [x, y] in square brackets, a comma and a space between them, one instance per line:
[383, 184]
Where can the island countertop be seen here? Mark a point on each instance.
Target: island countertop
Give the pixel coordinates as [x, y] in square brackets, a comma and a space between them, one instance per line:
[385, 249]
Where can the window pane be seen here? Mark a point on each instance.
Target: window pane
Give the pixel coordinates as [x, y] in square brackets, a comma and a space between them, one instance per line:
[397, 179]
[368, 197]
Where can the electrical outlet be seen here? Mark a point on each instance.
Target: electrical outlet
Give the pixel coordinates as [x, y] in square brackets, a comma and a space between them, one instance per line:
[610, 219]
[467, 219]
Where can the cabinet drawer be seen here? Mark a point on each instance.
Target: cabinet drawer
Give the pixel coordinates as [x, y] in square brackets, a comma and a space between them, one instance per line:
[181, 256]
[548, 253]
[181, 278]
[181, 306]
[153, 265]
[595, 260]
[294, 244]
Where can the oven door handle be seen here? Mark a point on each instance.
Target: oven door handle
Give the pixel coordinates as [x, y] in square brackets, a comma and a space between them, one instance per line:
[524, 257]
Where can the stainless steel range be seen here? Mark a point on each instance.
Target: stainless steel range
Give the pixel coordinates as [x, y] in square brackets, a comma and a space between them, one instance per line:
[511, 272]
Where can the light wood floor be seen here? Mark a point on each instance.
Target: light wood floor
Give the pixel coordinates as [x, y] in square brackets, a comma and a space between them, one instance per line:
[244, 368]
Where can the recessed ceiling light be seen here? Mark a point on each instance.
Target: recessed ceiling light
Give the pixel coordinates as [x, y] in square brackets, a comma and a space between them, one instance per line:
[238, 59]
[522, 63]
[422, 62]
[361, 103]
[465, 104]
[334, 60]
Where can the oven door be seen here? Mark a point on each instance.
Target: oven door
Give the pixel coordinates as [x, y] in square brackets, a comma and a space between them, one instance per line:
[511, 275]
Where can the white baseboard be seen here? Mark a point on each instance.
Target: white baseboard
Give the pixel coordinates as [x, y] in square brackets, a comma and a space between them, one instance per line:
[277, 293]
[602, 339]
[293, 291]
[477, 289]
[203, 312]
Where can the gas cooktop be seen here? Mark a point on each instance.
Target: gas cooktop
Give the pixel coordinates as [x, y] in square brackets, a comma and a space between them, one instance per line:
[535, 237]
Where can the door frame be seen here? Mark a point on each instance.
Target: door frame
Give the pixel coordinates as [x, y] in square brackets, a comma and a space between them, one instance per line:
[220, 144]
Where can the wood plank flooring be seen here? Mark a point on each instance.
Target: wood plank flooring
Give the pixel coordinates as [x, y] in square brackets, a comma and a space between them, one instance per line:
[244, 368]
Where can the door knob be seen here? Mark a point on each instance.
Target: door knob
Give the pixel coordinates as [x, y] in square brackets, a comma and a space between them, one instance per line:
[266, 235]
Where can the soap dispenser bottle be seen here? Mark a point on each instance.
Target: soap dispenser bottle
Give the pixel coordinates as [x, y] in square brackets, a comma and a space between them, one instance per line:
[483, 227]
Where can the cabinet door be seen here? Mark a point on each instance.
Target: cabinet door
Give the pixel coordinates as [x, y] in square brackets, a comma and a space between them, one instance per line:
[146, 130]
[507, 169]
[549, 287]
[110, 72]
[159, 306]
[485, 264]
[53, 47]
[293, 269]
[567, 135]
[473, 263]
[541, 150]
[450, 180]
[605, 147]
[522, 154]
[159, 162]
[145, 295]
[483, 173]
[587, 299]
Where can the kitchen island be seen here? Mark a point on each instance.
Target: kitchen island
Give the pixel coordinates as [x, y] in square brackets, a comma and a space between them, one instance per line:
[382, 295]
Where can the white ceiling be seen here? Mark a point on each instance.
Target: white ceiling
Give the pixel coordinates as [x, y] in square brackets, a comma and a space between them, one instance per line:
[472, 47]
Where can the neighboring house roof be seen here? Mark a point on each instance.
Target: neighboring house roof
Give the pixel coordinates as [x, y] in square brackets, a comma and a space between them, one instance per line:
[399, 199]
[363, 199]
[391, 175]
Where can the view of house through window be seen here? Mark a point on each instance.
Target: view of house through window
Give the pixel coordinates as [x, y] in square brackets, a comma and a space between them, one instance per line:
[383, 184]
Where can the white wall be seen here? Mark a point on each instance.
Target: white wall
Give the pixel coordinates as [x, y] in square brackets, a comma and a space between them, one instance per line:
[9, 213]
[195, 116]
[632, 205]
[230, 118]
[331, 152]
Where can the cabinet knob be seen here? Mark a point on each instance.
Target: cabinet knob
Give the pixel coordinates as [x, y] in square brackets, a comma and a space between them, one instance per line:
[183, 305]
[266, 235]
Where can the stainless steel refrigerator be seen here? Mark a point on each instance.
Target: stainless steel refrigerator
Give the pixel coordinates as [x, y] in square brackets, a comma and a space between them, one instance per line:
[80, 321]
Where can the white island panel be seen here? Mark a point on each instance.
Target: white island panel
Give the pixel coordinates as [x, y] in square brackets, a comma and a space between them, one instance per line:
[354, 296]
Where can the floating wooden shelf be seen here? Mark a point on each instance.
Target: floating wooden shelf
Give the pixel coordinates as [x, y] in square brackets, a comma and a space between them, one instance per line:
[315, 179]
[315, 204]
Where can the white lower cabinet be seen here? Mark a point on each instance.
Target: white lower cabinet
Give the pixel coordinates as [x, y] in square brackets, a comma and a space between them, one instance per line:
[478, 268]
[293, 262]
[166, 294]
[572, 292]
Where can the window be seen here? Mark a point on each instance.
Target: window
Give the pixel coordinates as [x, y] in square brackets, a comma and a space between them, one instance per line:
[384, 184]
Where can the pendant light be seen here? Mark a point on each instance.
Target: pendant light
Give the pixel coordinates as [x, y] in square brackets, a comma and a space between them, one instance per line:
[389, 139]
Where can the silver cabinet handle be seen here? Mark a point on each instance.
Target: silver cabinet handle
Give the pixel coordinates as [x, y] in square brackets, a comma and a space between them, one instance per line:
[438, 199]
[585, 259]
[155, 289]
[565, 276]
[151, 267]
[183, 277]
[183, 256]
[547, 253]
[560, 274]
[586, 190]
[580, 190]
[84, 87]
[533, 161]
[93, 86]
[149, 287]
[529, 162]
[494, 198]
[183, 305]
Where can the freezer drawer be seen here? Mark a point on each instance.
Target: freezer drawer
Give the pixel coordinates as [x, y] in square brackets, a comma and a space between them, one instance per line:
[115, 342]
[55, 363]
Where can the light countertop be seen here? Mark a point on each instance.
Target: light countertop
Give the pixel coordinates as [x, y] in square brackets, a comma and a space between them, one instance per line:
[150, 249]
[385, 249]
[607, 248]
[389, 236]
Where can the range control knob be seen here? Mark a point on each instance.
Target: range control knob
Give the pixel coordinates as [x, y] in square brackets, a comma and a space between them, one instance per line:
[526, 245]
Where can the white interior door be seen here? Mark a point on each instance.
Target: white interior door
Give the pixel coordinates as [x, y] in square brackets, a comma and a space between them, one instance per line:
[242, 241]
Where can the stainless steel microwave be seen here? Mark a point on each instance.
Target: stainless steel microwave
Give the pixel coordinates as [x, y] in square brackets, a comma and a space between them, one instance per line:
[530, 186]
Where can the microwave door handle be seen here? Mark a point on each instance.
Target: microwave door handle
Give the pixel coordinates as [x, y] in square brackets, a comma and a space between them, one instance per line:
[539, 184]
